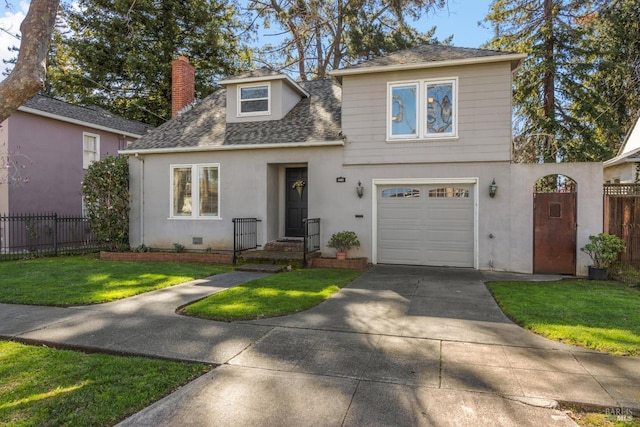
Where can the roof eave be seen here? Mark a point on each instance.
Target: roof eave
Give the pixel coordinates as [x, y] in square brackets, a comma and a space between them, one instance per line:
[256, 79]
[515, 59]
[66, 119]
[335, 143]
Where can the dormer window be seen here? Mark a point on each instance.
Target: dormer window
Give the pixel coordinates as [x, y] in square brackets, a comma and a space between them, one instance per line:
[254, 100]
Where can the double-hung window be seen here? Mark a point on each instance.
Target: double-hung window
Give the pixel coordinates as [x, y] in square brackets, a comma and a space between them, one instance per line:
[195, 191]
[422, 109]
[90, 149]
[254, 100]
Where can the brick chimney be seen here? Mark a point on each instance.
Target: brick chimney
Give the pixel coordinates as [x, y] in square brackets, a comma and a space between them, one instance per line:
[183, 84]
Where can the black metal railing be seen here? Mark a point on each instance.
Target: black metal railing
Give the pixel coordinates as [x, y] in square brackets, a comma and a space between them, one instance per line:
[311, 238]
[28, 235]
[245, 235]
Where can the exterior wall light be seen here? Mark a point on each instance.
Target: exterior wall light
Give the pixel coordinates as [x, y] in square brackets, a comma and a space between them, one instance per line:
[493, 188]
[360, 190]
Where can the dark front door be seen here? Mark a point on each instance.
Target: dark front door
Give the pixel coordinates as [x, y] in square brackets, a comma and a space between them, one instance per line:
[554, 236]
[296, 201]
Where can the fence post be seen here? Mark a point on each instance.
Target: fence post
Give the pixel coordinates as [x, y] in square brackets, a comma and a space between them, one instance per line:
[55, 234]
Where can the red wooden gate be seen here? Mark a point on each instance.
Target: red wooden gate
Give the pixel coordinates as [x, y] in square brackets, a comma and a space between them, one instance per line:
[622, 217]
[554, 236]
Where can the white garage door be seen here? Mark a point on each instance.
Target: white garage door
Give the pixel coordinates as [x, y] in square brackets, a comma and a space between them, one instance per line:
[426, 225]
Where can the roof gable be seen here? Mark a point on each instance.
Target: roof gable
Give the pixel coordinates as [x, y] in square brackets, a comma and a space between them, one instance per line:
[430, 55]
[91, 116]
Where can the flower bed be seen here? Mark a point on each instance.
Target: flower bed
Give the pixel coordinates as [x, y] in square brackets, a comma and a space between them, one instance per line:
[196, 257]
[349, 263]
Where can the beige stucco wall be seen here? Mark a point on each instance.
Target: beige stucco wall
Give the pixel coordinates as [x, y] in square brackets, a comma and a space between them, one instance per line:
[589, 199]
[252, 185]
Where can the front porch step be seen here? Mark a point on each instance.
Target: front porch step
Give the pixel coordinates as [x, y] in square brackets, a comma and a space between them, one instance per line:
[261, 268]
[285, 245]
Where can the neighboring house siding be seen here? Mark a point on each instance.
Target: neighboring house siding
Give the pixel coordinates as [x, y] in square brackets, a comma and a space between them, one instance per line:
[484, 117]
[625, 173]
[56, 150]
[4, 173]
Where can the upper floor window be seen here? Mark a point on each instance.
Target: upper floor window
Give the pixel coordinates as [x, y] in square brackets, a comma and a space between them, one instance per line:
[195, 191]
[422, 109]
[90, 149]
[254, 100]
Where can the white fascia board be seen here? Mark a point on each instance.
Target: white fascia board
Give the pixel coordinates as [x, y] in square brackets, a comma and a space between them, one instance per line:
[233, 147]
[624, 158]
[76, 122]
[435, 64]
[289, 80]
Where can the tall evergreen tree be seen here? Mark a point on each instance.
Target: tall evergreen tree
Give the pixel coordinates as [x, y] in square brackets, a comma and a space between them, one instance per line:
[549, 32]
[609, 99]
[324, 35]
[118, 54]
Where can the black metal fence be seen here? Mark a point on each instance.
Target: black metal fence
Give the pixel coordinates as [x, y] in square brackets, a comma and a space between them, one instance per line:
[245, 235]
[29, 235]
[311, 237]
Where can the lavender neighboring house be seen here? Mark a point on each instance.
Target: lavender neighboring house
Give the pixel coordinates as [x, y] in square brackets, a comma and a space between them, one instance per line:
[55, 142]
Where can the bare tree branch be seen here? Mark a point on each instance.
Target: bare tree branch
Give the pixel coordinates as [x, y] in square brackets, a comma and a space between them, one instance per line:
[27, 77]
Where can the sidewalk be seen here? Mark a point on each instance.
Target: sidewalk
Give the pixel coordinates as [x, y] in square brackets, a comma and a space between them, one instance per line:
[399, 346]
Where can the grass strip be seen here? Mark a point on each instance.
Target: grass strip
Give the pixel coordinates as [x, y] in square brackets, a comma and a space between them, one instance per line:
[40, 386]
[80, 280]
[599, 315]
[276, 295]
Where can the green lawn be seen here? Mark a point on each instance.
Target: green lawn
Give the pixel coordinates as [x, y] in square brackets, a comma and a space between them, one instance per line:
[40, 386]
[275, 295]
[78, 280]
[603, 316]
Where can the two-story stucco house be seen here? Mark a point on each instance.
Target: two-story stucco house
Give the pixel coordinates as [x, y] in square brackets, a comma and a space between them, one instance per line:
[412, 151]
[55, 142]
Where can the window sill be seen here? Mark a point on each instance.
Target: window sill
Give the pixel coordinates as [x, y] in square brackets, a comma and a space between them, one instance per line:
[195, 218]
[422, 140]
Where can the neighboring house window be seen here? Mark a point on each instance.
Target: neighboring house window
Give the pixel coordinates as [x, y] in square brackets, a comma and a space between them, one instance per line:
[422, 109]
[254, 100]
[90, 149]
[195, 191]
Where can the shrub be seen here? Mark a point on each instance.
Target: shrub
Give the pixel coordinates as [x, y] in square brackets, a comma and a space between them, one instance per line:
[105, 191]
[342, 241]
[603, 249]
[177, 248]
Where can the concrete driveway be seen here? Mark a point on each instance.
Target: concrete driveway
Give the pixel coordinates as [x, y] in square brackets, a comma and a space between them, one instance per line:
[399, 346]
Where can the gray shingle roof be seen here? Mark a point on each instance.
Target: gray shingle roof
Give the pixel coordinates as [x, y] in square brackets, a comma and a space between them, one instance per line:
[423, 54]
[91, 115]
[316, 118]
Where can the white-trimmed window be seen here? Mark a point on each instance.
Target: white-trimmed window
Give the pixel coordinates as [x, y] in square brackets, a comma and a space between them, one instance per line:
[90, 149]
[195, 191]
[254, 100]
[422, 109]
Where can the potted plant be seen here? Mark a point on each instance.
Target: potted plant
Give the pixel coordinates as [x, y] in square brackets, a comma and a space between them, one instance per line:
[603, 250]
[342, 241]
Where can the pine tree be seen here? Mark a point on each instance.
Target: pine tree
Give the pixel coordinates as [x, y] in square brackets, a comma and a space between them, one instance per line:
[118, 54]
[549, 32]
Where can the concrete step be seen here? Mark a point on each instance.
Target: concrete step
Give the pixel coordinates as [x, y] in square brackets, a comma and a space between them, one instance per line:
[285, 245]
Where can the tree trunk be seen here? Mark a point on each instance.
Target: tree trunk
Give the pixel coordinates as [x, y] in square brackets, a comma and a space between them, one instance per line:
[28, 75]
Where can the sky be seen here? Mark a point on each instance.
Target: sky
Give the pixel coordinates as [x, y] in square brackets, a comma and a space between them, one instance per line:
[460, 19]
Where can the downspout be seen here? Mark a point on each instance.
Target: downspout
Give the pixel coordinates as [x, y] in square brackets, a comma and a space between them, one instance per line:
[141, 197]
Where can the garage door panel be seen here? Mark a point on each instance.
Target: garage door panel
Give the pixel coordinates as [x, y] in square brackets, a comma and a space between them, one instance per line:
[434, 227]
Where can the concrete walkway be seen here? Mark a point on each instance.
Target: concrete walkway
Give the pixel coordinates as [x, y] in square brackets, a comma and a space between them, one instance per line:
[399, 346]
